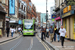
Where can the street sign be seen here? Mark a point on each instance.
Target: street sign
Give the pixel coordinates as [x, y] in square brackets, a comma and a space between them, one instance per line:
[20, 22]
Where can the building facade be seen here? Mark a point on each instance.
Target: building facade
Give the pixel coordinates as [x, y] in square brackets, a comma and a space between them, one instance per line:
[66, 12]
[14, 18]
[2, 16]
[52, 10]
[43, 18]
[30, 9]
[38, 18]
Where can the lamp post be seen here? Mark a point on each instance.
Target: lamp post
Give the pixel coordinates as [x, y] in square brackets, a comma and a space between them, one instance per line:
[46, 14]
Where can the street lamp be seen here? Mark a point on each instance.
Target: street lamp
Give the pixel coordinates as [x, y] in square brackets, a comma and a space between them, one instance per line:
[46, 14]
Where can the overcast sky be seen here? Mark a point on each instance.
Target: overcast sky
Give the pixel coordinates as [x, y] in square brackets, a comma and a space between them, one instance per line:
[41, 5]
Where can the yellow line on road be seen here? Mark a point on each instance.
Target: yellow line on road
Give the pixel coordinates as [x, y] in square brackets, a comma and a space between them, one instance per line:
[42, 43]
[10, 40]
[47, 46]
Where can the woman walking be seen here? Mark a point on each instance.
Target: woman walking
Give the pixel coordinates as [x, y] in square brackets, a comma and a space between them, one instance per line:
[58, 35]
[12, 31]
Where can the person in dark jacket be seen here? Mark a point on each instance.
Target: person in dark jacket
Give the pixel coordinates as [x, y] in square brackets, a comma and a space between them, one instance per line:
[58, 35]
[43, 33]
[55, 32]
[7, 31]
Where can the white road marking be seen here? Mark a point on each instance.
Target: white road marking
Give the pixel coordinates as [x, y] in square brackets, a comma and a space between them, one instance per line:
[16, 44]
[31, 45]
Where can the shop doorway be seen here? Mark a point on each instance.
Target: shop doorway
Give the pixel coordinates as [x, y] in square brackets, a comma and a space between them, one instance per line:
[74, 28]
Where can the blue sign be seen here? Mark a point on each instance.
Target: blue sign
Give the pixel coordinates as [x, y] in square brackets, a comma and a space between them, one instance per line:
[53, 16]
[20, 22]
[11, 7]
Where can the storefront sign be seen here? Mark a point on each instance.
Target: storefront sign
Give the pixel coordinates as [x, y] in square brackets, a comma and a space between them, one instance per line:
[12, 21]
[67, 14]
[53, 16]
[7, 19]
[11, 7]
[68, 8]
[53, 19]
[57, 18]
[20, 22]
[70, 2]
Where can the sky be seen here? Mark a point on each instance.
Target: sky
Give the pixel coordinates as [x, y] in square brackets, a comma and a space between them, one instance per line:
[41, 5]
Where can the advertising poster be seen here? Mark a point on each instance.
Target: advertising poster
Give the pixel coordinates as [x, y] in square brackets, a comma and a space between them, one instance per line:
[11, 7]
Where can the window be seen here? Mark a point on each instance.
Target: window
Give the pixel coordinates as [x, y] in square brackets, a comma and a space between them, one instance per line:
[22, 7]
[3, 1]
[74, 24]
[19, 5]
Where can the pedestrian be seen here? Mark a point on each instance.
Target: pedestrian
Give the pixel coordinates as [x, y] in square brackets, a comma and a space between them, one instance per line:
[62, 32]
[7, 31]
[55, 32]
[51, 30]
[58, 35]
[47, 31]
[19, 30]
[43, 33]
[12, 31]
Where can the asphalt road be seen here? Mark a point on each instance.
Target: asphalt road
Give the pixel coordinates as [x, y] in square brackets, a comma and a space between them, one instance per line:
[25, 43]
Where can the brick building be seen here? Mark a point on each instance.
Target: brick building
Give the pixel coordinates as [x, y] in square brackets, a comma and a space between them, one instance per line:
[30, 9]
[22, 9]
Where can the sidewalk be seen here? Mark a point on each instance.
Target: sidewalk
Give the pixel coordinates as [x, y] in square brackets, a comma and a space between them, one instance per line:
[5, 38]
[68, 45]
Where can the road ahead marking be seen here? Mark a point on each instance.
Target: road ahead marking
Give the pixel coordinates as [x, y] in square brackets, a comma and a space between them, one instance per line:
[44, 44]
[10, 41]
[31, 45]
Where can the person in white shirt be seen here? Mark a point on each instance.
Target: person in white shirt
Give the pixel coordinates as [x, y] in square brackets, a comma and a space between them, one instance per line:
[19, 30]
[12, 31]
[47, 30]
[62, 32]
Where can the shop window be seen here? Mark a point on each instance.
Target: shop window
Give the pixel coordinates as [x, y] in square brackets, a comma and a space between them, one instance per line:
[19, 4]
[74, 24]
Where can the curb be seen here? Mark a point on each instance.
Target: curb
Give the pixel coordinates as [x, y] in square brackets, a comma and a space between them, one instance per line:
[9, 39]
[51, 45]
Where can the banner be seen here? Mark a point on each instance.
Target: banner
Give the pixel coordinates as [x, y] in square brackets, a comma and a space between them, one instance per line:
[11, 7]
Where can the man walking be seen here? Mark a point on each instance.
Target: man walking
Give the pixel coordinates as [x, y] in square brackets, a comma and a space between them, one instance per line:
[43, 33]
[62, 32]
[7, 30]
[51, 34]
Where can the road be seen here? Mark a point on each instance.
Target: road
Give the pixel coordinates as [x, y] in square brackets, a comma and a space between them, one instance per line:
[25, 43]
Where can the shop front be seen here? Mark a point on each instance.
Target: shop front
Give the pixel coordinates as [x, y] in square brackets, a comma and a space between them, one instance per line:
[2, 20]
[13, 22]
[69, 23]
[58, 22]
